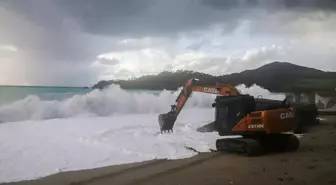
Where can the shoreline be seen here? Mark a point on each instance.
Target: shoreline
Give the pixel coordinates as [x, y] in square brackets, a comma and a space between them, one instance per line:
[313, 163]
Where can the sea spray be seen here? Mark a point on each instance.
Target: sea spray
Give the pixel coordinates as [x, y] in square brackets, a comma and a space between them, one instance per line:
[109, 102]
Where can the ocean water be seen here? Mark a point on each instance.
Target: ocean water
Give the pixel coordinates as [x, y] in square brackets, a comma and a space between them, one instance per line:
[10, 94]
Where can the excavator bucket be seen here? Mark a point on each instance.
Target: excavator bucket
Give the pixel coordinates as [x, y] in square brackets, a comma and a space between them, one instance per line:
[167, 121]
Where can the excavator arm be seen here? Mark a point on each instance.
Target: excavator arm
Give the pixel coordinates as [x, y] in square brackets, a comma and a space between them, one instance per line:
[167, 120]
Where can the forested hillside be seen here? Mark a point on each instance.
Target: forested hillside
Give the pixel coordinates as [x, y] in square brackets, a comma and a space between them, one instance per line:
[276, 77]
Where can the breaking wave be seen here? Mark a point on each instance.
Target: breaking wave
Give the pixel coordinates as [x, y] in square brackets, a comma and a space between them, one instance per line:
[108, 102]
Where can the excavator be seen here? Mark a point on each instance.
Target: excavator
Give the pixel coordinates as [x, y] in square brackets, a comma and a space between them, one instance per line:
[262, 125]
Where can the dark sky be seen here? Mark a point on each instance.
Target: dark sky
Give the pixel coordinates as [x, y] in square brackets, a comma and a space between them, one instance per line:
[79, 42]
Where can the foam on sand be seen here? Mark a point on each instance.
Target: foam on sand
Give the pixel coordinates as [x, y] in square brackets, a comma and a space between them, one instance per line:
[33, 149]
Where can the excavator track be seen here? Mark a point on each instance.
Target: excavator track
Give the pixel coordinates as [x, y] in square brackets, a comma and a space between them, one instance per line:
[280, 143]
[259, 145]
[250, 147]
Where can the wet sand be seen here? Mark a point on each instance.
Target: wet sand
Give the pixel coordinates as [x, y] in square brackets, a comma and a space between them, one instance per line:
[313, 163]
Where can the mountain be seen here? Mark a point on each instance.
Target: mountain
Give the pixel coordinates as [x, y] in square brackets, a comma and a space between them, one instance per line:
[276, 77]
[164, 80]
[285, 77]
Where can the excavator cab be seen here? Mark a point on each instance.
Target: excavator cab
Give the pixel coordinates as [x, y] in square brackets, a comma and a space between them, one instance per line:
[229, 110]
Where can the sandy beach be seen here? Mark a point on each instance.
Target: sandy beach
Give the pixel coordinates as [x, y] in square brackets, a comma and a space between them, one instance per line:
[313, 163]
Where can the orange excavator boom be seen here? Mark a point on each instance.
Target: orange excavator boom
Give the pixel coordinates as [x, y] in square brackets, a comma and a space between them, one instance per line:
[167, 120]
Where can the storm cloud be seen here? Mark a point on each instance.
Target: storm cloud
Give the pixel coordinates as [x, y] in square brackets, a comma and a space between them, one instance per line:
[59, 41]
[133, 18]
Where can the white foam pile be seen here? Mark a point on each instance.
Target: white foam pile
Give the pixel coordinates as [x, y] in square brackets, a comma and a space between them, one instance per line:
[102, 128]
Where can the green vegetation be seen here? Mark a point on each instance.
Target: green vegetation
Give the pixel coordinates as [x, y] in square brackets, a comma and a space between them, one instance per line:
[276, 77]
